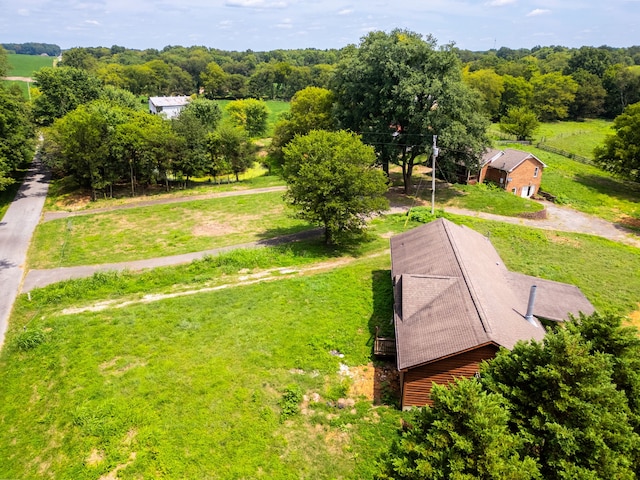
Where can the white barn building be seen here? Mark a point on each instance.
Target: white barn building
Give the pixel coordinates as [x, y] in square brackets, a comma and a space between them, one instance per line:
[170, 107]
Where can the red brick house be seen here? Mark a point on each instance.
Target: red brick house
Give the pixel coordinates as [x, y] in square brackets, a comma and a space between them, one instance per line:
[456, 304]
[514, 170]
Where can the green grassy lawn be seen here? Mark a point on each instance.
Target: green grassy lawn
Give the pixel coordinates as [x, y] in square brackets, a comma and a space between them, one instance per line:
[27, 65]
[579, 138]
[192, 387]
[160, 230]
[64, 193]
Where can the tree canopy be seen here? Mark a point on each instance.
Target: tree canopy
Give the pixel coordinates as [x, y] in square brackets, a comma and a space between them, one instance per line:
[620, 153]
[563, 408]
[16, 134]
[332, 182]
[398, 90]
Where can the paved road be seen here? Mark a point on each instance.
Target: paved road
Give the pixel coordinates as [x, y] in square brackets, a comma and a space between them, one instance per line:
[16, 230]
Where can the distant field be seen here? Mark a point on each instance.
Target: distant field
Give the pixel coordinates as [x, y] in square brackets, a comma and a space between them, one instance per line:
[26, 65]
[21, 85]
[276, 108]
[579, 138]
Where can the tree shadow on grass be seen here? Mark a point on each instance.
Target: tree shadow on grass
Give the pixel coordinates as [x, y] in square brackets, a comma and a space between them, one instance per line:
[618, 188]
[386, 381]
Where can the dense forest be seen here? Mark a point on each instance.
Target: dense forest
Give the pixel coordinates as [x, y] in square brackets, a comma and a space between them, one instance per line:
[556, 82]
[32, 48]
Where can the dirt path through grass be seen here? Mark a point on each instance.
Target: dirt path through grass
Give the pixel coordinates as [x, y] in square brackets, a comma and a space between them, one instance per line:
[269, 275]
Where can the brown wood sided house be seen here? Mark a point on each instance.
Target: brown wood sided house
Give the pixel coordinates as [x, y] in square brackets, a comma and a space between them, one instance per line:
[456, 304]
[514, 170]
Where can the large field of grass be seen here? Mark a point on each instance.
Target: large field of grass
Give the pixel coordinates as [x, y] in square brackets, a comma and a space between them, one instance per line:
[196, 386]
[160, 230]
[27, 65]
[579, 138]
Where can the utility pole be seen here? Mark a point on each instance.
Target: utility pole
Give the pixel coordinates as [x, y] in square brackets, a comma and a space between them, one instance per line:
[433, 175]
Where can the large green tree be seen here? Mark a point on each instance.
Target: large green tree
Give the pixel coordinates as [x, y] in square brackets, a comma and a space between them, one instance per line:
[521, 122]
[62, 90]
[465, 435]
[311, 109]
[250, 114]
[16, 134]
[332, 182]
[620, 153]
[564, 404]
[553, 93]
[398, 90]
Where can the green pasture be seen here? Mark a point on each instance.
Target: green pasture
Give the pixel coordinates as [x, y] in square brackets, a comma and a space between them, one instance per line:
[194, 386]
[579, 138]
[276, 108]
[160, 230]
[27, 65]
[23, 86]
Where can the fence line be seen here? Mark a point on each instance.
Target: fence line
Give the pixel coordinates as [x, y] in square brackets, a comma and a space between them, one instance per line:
[564, 153]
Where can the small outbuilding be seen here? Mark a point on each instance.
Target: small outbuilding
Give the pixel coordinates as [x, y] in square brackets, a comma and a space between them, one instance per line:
[516, 171]
[456, 304]
[170, 107]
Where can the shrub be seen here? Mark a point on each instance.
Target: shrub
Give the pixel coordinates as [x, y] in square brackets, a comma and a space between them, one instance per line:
[29, 339]
[290, 401]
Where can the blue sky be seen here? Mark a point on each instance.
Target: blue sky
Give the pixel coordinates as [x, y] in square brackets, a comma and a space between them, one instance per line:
[271, 24]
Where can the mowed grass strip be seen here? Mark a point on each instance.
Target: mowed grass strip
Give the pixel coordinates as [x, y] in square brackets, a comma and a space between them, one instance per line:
[160, 230]
[192, 387]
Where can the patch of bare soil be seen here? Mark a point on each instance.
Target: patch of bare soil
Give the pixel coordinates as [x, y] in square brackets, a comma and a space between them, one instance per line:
[630, 222]
[379, 384]
[113, 474]
[213, 229]
[95, 457]
[563, 240]
[634, 318]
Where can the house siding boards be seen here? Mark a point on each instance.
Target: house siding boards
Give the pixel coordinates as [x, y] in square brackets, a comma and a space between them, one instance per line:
[417, 382]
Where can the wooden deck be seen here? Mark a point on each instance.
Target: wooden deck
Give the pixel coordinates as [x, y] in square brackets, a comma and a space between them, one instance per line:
[384, 346]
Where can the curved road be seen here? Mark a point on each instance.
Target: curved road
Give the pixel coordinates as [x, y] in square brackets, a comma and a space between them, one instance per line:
[16, 229]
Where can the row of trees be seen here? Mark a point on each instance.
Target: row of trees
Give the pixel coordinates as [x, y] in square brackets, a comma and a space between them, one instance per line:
[103, 143]
[564, 408]
[32, 48]
[16, 129]
[178, 70]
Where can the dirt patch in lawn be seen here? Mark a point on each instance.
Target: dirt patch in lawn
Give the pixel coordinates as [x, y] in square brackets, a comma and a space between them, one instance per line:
[379, 384]
[634, 318]
[213, 229]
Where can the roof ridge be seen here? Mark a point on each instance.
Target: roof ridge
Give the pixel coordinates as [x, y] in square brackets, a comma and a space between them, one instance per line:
[482, 315]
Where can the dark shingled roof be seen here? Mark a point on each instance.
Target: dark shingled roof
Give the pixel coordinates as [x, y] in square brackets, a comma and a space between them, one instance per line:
[507, 160]
[453, 293]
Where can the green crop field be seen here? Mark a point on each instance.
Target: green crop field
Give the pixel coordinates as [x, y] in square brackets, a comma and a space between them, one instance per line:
[26, 65]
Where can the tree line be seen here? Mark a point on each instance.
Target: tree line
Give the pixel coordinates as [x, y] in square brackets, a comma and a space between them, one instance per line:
[32, 48]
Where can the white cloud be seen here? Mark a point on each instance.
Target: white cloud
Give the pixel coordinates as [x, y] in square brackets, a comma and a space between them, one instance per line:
[92, 22]
[537, 12]
[285, 23]
[23, 12]
[255, 4]
[500, 3]
[346, 11]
